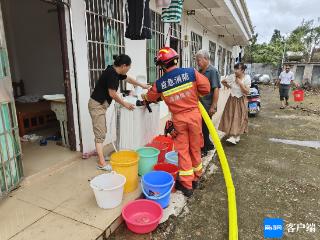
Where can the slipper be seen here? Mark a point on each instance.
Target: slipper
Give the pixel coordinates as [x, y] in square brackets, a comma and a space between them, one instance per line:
[105, 167]
[232, 140]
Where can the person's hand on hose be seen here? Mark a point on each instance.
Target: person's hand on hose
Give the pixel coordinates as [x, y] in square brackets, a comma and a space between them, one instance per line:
[129, 106]
[144, 96]
[146, 86]
[169, 129]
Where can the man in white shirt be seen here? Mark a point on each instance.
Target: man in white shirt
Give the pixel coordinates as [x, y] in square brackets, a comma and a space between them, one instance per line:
[286, 78]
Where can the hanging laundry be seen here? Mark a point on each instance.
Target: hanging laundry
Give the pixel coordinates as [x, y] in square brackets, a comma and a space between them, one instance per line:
[163, 3]
[138, 20]
[173, 13]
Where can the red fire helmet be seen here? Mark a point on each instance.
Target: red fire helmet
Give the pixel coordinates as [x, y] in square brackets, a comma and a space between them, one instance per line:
[165, 56]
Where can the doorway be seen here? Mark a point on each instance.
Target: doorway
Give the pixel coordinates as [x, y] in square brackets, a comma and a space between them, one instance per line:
[315, 79]
[299, 74]
[37, 65]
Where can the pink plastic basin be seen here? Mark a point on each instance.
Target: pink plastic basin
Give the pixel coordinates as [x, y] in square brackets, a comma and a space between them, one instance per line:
[142, 216]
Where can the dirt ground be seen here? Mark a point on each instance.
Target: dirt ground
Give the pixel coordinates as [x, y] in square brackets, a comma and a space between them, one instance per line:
[311, 103]
[271, 180]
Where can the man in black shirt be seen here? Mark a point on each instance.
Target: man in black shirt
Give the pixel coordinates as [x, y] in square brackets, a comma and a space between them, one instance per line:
[104, 92]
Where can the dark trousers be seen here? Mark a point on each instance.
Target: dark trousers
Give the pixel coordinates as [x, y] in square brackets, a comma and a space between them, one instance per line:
[207, 142]
[284, 92]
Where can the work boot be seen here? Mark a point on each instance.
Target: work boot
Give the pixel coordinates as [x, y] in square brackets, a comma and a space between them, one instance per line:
[187, 192]
[204, 153]
[195, 185]
[210, 147]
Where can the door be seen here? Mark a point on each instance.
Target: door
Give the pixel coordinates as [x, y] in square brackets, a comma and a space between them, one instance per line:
[11, 171]
[315, 80]
[299, 74]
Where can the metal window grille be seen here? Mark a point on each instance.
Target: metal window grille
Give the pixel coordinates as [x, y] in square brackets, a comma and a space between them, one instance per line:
[176, 41]
[223, 63]
[153, 45]
[229, 62]
[11, 171]
[212, 51]
[105, 35]
[196, 45]
[10, 150]
[221, 60]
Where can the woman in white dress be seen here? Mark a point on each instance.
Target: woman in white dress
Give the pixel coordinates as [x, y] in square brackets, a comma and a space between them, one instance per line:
[234, 121]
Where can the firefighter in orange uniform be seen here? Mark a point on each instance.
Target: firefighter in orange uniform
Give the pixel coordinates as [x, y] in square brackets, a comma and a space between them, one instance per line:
[180, 89]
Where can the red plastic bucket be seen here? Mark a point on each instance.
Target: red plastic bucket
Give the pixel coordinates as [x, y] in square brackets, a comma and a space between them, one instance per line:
[298, 95]
[163, 148]
[169, 168]
[164, 140]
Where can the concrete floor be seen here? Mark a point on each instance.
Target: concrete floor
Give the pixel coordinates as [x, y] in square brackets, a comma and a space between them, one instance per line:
[38, 158]
[55, 200]
[60, 206]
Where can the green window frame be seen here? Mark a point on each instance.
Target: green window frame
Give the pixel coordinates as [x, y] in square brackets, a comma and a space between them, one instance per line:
[153, 45]
[105, 35]
[11, 171]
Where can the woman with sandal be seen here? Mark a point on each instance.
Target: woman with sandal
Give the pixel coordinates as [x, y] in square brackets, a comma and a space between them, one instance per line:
[104, 93]
[234, 121]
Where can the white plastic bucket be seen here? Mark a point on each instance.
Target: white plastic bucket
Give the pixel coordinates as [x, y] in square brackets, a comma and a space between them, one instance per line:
[108, 189]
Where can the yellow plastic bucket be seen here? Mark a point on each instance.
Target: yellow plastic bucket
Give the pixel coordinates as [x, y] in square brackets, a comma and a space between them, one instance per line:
[126, 164]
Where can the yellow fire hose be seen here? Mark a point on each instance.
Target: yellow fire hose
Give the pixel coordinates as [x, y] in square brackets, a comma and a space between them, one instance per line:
[232, 204]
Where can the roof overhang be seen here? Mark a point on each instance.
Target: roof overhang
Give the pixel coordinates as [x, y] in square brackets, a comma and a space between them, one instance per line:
[229, 19]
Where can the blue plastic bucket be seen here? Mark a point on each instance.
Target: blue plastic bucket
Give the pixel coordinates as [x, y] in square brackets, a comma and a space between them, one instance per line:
[163, 199]
[157, 183]
[172, 157]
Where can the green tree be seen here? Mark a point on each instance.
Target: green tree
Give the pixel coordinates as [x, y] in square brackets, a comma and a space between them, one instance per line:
[305, 38]
[276, 36]
[265, 52]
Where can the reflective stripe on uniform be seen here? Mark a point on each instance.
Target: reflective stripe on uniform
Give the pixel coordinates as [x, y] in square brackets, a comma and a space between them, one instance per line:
[196, 169]
[186, 173]
[178, 89]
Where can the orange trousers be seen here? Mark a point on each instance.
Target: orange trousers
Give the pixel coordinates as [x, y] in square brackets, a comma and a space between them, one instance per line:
[188, 144]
